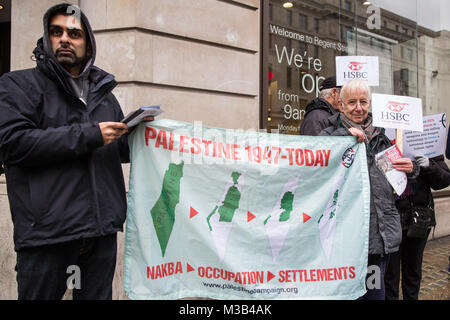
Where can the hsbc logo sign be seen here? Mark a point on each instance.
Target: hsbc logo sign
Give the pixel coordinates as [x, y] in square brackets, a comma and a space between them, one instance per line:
[396, 106]
[356, 71]
[356, 66]
[398, 112]
[395, 112]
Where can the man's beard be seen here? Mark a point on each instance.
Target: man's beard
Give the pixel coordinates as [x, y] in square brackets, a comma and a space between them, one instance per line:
[69, 61]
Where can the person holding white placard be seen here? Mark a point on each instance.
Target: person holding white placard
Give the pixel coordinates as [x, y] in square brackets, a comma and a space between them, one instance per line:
[385, 228]
[447, 150]
[416, 207]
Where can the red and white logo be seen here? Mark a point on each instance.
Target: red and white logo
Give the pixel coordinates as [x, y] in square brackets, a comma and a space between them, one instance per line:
[356, 66]
[396, 106]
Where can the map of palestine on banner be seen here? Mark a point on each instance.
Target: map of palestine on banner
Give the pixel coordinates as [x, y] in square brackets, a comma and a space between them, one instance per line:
[233, 214]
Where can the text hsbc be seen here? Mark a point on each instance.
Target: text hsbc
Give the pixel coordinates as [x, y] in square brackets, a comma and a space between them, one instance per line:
[395, 116]
[355, 75]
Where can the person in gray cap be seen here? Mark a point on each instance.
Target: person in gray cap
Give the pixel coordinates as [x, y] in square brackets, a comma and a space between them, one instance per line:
[319, 109]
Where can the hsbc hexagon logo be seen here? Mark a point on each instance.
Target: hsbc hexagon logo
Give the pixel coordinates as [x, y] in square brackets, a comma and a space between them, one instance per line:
[396, 112]
[356, 66]
[396, 106]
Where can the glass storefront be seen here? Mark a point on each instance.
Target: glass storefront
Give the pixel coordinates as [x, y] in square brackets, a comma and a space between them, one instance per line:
[302, 38]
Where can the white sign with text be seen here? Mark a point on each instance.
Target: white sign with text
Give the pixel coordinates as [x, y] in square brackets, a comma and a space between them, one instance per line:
[357, 67]
[430, 143]
[399, 112]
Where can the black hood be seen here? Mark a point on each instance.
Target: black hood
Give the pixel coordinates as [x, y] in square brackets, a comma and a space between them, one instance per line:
[45, 45]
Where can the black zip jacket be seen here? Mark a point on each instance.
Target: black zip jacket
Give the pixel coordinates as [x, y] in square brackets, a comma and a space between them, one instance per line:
[63, 183]
[447, 149]
[436, 176]
[316, 117]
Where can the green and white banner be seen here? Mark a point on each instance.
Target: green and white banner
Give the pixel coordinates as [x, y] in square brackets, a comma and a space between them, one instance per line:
[234, 214]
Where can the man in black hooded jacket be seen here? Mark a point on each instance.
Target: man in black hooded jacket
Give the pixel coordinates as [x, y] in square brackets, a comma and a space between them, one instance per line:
[62, 144]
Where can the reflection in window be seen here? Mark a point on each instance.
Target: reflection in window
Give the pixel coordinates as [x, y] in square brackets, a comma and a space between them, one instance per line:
[289, 77]
[348, 33]
[316, 25]
[410, 54]
[396, 44]
[303, 48]
[303, 22]
[347, 5]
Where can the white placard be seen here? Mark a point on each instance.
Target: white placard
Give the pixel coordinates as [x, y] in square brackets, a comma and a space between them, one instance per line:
[399, 112]
[391, 134]
[430, 143]
[357, 67]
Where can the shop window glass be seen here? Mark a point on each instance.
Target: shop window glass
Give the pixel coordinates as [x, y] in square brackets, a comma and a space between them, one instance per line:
[301, 57]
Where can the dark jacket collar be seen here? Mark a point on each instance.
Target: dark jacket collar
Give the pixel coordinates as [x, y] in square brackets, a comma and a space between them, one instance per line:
[322, 104]
[53, 70]
[335, 120]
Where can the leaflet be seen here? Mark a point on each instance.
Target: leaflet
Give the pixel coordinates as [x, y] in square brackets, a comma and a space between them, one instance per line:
[135, 117]
[384, 160]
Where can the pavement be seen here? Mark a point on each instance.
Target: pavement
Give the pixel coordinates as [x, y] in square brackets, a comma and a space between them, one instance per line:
[435, 283]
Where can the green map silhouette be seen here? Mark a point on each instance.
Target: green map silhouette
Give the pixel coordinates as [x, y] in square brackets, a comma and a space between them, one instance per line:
[230, 203]
[286, 204]
[163, 212]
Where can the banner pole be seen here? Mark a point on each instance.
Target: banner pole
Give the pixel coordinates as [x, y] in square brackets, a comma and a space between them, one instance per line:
[399, 139]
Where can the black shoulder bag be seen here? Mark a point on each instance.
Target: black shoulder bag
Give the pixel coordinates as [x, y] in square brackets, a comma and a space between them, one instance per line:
[421, 217]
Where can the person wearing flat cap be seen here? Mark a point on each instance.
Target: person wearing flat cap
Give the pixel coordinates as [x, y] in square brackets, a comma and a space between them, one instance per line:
[320, 109]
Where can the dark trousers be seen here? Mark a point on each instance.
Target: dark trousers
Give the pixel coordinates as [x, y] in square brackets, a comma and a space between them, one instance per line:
[44, 273]
[410, 259]
[377, 292]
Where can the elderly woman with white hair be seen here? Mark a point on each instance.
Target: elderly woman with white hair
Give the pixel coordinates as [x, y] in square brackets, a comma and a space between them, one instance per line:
[385, 231]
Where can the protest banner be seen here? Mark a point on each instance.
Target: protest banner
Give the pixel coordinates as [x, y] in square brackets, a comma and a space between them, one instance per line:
[233, 214]
[357, 67]
[399, 112]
